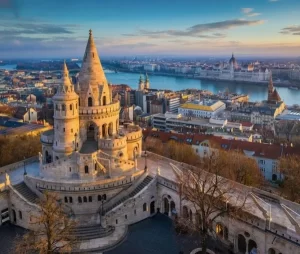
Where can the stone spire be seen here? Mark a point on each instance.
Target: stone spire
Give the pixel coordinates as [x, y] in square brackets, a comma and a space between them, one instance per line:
[91, 70]
[141, 83]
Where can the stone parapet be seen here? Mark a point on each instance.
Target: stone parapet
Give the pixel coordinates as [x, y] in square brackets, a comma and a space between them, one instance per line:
[98, 110]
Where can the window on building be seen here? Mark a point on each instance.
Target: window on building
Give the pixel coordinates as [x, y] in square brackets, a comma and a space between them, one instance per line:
[90, 102]
[20, 215]
[86, 169]
[144, 207]
[64, 129]
[85, 199]
[79, 200]
[71, 200]
[71, 107]
[63, 107]
[104, 196]
[116, 221]
[99, 198]
[66, 199]
[125, 216]
[90, 199]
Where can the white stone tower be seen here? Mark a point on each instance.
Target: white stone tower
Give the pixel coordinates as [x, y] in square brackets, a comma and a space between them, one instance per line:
[66, 118]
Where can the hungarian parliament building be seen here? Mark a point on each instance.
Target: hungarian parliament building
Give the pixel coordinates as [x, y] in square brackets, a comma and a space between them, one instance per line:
[233, 72]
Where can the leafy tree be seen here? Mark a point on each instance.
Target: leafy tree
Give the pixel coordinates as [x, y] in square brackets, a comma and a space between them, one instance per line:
[54, 230]
[290, 168]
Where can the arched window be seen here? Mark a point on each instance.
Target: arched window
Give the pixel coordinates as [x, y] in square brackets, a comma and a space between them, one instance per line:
[96, 167]
[63, 107]
[90, 199]
[104, 101]
[76, 105]
[71, 107]
[86, 169]
[99, 197]
[84, 199]
[20, 215]
[144, 207]
[125, 216]
[104, 196]
[66, 199]
[79, 200]
[56, 107]
[219, 230]
[70, 200]
[90, 102]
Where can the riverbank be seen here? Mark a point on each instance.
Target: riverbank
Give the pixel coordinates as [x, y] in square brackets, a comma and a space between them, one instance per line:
[286, 84]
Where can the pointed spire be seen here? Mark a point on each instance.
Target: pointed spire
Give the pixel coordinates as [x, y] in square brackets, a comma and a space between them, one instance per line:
[141, 79]
[91, 69]
[146, 77]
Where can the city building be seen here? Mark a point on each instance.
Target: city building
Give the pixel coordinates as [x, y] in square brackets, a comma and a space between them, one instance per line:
[202, 109]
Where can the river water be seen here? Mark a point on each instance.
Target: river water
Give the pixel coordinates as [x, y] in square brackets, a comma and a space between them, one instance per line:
[255, 92]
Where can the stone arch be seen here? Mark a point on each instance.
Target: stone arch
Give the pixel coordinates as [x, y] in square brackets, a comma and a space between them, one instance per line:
[274, 177]
[152, 207]
[219, 230]
[91, 130]
[242, 245]
[166, 206]
[271, 251]
[90, 101]
[185, 212]
[110, 129]
[252, 246]
[14, 216]
[104, 130]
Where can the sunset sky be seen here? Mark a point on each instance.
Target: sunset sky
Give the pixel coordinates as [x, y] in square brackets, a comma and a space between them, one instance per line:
[42, 28]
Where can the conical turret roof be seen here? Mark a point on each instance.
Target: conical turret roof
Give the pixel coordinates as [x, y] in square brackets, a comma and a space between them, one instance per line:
[66, 89]
[91, 72]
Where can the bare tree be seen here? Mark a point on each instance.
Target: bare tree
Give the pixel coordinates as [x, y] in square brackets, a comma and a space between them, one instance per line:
[53, 230]
[210, 195]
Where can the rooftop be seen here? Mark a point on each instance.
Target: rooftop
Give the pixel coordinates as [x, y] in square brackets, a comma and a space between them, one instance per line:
[203, 105]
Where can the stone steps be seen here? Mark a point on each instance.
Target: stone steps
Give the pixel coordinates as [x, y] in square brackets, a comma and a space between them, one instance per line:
[141, 186]
[91, 232]
[27, 193]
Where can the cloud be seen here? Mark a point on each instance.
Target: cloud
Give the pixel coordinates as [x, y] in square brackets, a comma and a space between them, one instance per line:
[207, 30]
[254, 14]
[293, 30]
[34, 28]
[247, 10]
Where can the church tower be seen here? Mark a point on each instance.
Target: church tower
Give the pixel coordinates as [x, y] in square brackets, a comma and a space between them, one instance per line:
[66, 118]
[93, 87]
[141, 84]
[147, 82]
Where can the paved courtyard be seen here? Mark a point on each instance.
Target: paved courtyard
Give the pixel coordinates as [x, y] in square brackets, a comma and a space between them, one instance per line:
[154, 235]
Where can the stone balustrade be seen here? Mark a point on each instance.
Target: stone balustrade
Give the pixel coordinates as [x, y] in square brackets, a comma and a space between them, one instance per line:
[114, 107]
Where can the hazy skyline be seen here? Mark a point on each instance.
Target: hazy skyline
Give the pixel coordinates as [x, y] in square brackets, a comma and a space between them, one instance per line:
[36, 28]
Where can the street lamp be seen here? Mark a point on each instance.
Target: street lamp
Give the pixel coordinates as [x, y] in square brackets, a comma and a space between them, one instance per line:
[145, 160]
[25, 173]
[75, 141]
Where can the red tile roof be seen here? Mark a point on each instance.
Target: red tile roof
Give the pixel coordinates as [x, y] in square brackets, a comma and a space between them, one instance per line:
[269, 151]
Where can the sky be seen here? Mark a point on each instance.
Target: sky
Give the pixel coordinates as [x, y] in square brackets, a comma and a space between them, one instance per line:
[51, 28]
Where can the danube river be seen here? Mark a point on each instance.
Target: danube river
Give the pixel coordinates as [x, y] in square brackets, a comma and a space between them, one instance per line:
[255, 92]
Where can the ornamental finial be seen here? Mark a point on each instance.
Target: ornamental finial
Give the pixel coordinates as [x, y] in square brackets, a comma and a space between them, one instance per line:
[90, 31]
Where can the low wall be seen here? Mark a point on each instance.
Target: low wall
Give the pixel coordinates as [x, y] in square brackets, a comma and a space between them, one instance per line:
[10, 167]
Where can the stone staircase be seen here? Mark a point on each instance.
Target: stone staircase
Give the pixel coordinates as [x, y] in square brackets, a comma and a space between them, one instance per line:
[141, 186]
[24, 191]
[84, 233]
